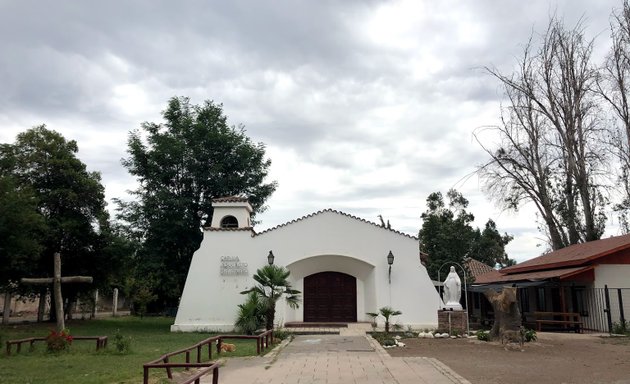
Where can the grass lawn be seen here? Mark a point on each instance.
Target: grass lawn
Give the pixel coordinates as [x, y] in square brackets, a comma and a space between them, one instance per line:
[150, 338]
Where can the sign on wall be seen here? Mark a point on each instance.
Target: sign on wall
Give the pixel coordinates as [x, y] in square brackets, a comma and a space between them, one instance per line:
[232, 266]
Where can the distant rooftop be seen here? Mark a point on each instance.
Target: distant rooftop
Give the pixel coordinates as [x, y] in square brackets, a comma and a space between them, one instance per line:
[476, 267]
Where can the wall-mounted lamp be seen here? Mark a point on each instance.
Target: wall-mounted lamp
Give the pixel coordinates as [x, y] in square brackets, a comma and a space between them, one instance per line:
[270, 258]
[390, 261]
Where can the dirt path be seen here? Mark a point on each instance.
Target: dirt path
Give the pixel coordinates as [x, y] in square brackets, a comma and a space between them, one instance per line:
[553, 359]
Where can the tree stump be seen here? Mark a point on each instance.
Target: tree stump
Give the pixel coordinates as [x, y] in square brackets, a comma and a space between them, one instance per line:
[507, 314]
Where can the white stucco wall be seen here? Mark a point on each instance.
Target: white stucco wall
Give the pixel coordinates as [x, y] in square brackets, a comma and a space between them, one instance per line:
[327, 241]
[240, 210]
[613, 275]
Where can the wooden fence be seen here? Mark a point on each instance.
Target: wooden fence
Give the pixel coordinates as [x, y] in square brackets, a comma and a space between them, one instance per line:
[263, 341]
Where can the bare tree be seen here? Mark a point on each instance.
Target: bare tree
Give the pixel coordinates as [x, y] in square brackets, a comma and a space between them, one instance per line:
[550, 132]
[613, 86]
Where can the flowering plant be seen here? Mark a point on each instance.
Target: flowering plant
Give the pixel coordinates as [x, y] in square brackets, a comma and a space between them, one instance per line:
[58, 341]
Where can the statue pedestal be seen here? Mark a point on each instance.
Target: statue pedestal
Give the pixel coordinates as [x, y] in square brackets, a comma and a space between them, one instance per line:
[458, 321]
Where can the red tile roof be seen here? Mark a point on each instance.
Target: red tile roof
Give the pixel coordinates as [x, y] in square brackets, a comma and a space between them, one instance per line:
[574, 255]
[562, 273]
[489, 277]
[476, 267]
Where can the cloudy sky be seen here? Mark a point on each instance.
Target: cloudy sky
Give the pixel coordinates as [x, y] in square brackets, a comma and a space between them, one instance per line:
[365, 106]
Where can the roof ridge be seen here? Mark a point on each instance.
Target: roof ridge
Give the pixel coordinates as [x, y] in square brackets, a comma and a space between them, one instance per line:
[230, 199]
[337, 212]
[229, 229]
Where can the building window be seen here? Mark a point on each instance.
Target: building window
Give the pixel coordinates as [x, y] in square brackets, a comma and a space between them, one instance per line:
[579, 301]
[524, 299]
[540, 299]
[229, 222]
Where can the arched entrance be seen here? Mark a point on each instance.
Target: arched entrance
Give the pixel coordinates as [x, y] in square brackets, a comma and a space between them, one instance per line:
[330, 297]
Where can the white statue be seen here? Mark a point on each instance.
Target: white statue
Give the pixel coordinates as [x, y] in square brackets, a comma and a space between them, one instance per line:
[452, 291]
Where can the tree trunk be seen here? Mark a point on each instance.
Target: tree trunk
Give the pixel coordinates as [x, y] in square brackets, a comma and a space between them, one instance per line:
[41, 308]
[114, 302]
[61, 325]
[95, 303]
[7, 308]
[271, 314]
[507, 314]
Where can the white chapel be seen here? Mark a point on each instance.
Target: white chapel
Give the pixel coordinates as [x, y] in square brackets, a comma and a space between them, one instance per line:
[338, 261]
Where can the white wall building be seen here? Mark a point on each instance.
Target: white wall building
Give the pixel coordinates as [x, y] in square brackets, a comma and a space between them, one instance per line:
[338, 262]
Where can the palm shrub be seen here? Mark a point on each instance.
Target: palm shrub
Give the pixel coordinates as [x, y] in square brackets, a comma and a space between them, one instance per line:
[251, 315]
[272, 285]
[387, 313]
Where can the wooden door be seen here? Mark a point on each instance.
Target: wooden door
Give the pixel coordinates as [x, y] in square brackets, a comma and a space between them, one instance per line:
[330, 297]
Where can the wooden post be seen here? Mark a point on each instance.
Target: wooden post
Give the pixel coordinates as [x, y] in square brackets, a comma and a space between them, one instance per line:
[115, 303]
[95, 306]
[61, 325]
[7, 308]
[57, 280]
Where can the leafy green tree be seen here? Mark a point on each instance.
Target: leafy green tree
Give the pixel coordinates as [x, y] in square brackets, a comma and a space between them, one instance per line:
[21, 227]
[272, 285]
[141, 298]
[69, 199]
[489, 246]
[181, 164]
[447, 235]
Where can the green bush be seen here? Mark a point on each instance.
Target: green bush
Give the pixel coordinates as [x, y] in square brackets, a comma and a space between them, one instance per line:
[141, 299]
[281, 334]
[122, 343]
[529, 335]
[621, 328]
[388, 342]
[483, 335]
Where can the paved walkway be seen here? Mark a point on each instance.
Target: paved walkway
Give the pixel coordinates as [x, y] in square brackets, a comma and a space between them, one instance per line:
[352, 358]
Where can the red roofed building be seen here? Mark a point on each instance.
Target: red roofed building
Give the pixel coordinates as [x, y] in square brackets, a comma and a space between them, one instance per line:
[573, 279]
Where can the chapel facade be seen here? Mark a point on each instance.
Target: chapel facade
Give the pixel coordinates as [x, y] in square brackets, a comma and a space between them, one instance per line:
[338, 261]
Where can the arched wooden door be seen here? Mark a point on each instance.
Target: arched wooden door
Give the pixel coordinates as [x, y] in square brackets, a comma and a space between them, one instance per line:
[330, 297]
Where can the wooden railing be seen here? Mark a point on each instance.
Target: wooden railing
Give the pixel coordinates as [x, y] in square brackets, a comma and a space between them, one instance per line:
[101, 342]
[263, 341]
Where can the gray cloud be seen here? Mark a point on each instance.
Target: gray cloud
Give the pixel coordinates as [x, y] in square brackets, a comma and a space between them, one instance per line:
[380, 102]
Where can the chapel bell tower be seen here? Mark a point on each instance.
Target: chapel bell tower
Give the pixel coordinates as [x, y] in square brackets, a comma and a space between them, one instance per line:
[231, 212]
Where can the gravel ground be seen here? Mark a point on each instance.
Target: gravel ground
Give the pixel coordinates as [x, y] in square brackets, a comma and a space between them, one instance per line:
[555, 358]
